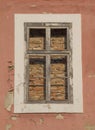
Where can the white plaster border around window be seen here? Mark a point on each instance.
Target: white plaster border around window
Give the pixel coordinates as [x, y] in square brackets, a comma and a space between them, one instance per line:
[19, 105]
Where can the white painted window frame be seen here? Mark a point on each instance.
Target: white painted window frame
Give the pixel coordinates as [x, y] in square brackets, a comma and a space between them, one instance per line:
[20, 47]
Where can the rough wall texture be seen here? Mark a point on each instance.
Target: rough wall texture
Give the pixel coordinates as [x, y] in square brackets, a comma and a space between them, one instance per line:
[10, 121]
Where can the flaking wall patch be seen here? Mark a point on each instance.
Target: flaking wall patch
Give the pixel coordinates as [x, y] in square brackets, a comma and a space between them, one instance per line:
[8, 126]
[8, 101]
[59, 117]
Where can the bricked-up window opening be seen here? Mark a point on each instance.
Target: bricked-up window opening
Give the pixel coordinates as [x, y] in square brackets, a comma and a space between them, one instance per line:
[37, 78]
[37, 39]
[48, 63]
[58, 77]
[58, 39]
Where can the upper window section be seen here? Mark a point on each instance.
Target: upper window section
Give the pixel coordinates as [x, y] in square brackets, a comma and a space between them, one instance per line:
[37, 39]
[58, 39]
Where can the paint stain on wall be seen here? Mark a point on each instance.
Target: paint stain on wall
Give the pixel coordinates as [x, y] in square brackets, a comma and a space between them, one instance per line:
[8, 126]
[14, 118]
[8, 101]
[90, 127]
[59, 117]
[91, 76]
[41, 121]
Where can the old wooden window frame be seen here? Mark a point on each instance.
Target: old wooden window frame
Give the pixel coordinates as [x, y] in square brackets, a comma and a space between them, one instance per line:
[47, 52]
[20, 104]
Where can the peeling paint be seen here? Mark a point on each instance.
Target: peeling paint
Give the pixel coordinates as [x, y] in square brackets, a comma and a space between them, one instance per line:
[44, 12]
[8, 126]
[41, 121]
[14, 118]
[35, 123]
[10, 66]
[90, 127]
[9, 101]
[33, 6]
[91, 75]
[47, 13]
[59, 117]
[11, 89]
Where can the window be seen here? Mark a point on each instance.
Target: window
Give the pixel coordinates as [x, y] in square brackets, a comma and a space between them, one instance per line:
[48, 67]
[48, 74]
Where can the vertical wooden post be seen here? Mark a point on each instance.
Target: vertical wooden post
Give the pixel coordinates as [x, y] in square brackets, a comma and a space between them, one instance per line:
[48, 64]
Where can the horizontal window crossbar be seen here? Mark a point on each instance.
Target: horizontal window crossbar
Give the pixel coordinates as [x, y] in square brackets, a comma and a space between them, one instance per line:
[47, 52]
[39, 77]
[36, 85]
[44, 101]
[50, 24]
[64, 77]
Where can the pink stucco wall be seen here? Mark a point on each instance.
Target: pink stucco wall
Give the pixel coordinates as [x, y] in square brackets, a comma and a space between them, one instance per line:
[85, 121]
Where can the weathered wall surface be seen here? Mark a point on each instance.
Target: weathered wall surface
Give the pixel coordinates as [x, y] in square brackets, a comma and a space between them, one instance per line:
[62, 121]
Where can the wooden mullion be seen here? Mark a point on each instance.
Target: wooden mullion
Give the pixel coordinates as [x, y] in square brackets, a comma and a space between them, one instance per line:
[27, 45]
[47, 64]
[47, 38]
[47, 77]
[68, 79]
[68, 40]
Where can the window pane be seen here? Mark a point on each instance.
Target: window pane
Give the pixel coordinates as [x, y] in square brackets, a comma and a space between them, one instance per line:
[36, 78]
[58, 39]
[37, 39]
[58, 77]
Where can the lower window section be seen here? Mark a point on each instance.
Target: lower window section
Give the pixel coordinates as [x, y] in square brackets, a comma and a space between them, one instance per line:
[36, 78]
[58, 76]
